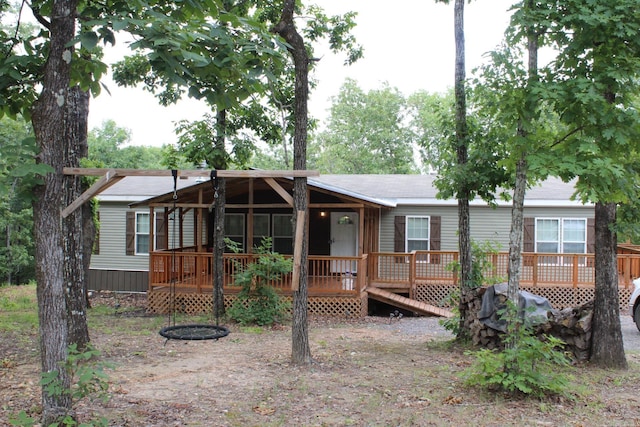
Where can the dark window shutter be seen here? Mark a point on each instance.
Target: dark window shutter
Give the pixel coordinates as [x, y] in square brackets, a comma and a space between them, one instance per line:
[162, 241]
[528, 243]
[591, 240]
[131, 233]
[528, 238]
[399, 223]
[591, 235]
[434, 237]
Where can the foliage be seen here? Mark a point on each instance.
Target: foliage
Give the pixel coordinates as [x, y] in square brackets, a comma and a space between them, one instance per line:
[110, 147]
[258, 302]
[90, 381]
[17, 177]
[527, 365]
[365, 133]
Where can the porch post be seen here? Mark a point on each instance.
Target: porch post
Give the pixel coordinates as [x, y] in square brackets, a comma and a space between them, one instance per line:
[361, 231]
[152, 225]
[249, 245]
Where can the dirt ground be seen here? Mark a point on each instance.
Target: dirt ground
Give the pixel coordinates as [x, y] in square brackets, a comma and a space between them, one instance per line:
[369, 372]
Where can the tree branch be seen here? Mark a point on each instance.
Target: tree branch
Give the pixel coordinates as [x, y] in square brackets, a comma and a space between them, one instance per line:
[564, 138]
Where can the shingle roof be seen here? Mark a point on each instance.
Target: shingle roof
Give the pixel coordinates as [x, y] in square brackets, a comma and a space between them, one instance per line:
[389, 190]
[419, 189]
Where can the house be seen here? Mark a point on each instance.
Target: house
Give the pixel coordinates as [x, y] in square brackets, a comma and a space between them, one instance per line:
[389, 232]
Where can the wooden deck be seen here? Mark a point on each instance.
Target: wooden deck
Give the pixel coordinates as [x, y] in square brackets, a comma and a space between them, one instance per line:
[416, 275]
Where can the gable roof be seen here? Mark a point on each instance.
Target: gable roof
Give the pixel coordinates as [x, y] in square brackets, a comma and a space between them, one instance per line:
[382, 190]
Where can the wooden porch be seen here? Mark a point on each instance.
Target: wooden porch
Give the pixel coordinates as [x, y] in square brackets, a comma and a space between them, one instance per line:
[338, 285]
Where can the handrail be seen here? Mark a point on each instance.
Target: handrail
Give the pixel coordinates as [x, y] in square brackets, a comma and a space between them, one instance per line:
[537, 269]
[193, 271]
[350, 275]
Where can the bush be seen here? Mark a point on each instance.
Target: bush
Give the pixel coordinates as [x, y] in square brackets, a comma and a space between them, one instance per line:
[258, 302]
[528, 365]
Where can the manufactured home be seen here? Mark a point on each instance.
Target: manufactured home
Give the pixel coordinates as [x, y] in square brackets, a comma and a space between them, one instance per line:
[385, 237]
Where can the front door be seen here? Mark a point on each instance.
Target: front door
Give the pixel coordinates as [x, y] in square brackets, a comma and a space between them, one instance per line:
[344, 240]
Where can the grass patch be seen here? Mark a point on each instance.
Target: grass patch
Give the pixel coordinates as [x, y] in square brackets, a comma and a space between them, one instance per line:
[18, 308]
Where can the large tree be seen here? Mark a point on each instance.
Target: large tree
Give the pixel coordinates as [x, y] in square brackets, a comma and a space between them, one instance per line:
[301, 351]
[44, 76]
[52, 113]
[596, 75]
[366, 132]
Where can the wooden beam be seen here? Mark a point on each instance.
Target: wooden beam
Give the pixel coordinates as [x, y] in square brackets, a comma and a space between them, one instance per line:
[229, 206]
[194, 173]
[109, 178]
[281, 191]
[297, 251]
[335, 205]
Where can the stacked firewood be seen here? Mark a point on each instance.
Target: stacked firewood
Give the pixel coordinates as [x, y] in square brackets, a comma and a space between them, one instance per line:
[572, 325]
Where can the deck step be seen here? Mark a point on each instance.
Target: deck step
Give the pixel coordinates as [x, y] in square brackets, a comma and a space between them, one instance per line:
[407, 303]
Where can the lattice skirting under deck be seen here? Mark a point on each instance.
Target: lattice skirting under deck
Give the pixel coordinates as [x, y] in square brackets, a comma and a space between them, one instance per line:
[559, 297]
[435, 294]
[162, 303]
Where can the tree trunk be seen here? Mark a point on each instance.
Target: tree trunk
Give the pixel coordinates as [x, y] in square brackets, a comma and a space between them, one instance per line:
[218, 247]
[77, 114]
[464, 231]
[219, 202]
[50, 127]
[301, 352]
[517, 210]
[517, 228]
[607, 349]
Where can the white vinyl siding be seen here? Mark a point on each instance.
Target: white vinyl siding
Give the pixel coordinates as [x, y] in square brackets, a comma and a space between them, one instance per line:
[113, 241]
[486, 223]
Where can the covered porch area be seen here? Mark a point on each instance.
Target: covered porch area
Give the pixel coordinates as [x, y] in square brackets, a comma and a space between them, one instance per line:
[341, 230]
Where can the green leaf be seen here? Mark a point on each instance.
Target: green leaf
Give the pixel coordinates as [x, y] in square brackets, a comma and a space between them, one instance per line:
[89, 40]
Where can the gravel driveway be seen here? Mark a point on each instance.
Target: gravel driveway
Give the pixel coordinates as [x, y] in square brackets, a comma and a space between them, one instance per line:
[430, 326]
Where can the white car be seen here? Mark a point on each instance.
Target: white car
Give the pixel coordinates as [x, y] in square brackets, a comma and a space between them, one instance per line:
[634, 303]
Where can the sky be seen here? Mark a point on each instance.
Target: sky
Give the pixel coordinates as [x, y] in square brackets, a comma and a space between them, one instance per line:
[408, 44]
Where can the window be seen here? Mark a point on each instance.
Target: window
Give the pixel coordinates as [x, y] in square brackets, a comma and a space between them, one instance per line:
[574, 236]
[561, 236]
[234, 228]
[282, 234]
[566, 235]
[142, 233]
[260, 228]
[417, 233]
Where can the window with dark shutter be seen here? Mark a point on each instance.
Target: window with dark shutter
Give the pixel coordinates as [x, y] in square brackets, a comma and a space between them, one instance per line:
[162, 240]
[399, 223]
[434, 238]
[528, 239]
[130, 233]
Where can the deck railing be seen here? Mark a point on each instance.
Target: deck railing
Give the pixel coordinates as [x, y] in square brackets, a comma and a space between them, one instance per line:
[537, 269]
[193, 271]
